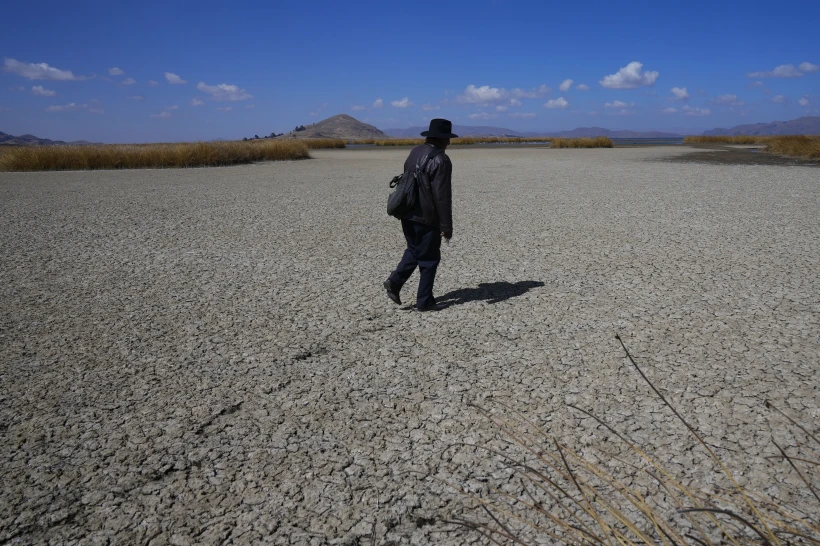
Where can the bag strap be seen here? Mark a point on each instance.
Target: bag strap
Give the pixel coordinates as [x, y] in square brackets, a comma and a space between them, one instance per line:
[430, 155]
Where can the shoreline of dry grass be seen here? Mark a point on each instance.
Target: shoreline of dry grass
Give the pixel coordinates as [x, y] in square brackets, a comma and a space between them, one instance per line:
[462, 141]
[596, 142]
[798, 146]
[149, 156]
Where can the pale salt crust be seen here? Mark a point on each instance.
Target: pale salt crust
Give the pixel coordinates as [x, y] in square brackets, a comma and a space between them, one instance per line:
[207, 355]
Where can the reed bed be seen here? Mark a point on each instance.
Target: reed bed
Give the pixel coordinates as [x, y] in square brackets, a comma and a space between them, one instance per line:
[805, 147]
[149, 156]
[742, 139]
[549, 493]
[324, 143]
[801, 146]
[595, 142]
[399, 142]
[458, 141]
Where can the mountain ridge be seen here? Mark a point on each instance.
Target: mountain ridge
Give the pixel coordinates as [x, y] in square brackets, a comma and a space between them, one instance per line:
[806, 125]
[31, 140]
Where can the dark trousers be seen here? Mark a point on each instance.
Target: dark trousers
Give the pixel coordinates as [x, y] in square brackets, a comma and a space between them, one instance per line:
[423, 251]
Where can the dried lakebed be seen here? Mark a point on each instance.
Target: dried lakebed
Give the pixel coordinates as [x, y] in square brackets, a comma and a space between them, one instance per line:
[207, 356]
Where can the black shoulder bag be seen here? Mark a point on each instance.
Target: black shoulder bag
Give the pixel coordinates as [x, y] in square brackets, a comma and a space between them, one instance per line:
[403, 199]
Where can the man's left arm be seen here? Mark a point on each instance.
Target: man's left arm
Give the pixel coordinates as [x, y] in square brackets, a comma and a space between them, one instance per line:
[441, 185]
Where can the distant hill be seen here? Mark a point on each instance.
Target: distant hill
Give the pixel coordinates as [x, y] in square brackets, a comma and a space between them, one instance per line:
[467, 131]
[31, 140]
[341, 126]
[808, 125]
[600, 131]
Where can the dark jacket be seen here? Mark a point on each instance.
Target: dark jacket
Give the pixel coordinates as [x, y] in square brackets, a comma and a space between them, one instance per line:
[435, 204]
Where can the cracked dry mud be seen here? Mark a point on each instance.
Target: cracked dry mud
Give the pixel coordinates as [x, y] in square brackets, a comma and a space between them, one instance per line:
[207, 356]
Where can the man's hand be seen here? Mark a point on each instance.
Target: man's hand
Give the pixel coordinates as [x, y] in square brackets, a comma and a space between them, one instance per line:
[447, 234]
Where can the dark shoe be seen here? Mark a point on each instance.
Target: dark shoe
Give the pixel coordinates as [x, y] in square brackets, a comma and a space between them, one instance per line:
[436, 307]
[392, 293]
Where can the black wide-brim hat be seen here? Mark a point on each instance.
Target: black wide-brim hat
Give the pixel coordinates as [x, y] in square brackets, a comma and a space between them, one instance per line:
[440, 128]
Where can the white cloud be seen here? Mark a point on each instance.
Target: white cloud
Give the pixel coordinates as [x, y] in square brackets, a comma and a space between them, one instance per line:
[808, 67]
[224, 91]
[691, 111]
[486, 95]
[152, 83]
[225, 108]
[74, 106]
[428, 107]
[135, 97]
[40, 71]
[522, 115]
[66, 107]
[778, 99]
[481, 115]
[669, 110]
[482, 95]
[316, 112]
[515, 102]
[804, 101]
[41, 91]
[565, 85]
[402, 103]
[592, 113]
[165, 114]
[378, 103]
[680, 93]
[582, 87]
[115, 71]
[754, 84]
[728, 100]
[534, 93]
[501, 108]
[556, 103]
[250, 106]
[630, 77]
[782, 71]
[173, 79]
[618, 104]
[128, 81]
[196, 102]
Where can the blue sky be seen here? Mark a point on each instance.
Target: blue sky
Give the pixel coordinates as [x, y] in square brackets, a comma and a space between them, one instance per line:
[171, 71]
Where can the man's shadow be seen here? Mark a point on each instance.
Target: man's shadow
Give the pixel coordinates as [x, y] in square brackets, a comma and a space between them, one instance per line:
[491, 292]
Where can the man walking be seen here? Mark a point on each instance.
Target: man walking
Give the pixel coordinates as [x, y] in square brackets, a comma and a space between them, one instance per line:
[430, 220]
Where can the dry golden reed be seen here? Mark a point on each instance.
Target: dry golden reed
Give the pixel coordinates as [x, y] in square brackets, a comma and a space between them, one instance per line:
[741, 139]
[149, 156]
[323, 143]
[595, 142]
[546, 492]
[801, 146]
[805, 147]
